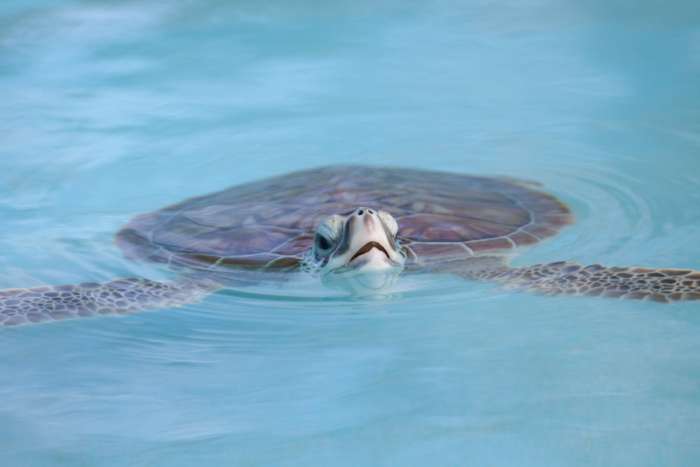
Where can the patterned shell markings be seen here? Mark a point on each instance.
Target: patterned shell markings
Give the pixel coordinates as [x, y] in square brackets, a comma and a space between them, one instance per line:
[270, 223]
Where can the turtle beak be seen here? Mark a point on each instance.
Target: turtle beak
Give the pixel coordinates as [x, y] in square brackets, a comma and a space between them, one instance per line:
[367, 248]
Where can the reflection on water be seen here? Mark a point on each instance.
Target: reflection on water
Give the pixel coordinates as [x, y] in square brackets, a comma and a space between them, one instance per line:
[110, 109]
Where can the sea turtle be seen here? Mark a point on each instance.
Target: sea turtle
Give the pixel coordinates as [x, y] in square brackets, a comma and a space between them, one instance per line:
[345, 221]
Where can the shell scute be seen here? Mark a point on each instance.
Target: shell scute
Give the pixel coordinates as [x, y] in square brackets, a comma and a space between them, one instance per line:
[491, 244]
[296, 246]
[448, 228]
[523, 238]
[440, 251]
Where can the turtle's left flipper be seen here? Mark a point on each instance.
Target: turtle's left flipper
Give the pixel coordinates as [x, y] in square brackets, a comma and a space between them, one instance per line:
[661, 285]
[39, 304]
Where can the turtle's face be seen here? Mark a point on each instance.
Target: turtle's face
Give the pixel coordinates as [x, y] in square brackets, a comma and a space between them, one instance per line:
[362, 241]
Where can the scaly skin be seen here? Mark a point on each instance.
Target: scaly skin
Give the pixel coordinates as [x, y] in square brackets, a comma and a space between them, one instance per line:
[40, 304]
[661, 285]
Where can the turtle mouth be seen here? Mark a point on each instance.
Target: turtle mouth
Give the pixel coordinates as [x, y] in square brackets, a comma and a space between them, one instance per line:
[367, 248]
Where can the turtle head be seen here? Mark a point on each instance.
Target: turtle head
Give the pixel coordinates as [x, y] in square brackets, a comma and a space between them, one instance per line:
[361, 243]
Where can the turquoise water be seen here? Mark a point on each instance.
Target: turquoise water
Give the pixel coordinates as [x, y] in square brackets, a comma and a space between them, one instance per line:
[109, 109]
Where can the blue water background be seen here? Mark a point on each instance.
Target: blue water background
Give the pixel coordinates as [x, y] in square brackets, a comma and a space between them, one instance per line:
[109, 109]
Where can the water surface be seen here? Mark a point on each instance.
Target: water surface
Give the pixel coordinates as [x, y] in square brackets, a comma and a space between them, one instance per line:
[110, 109]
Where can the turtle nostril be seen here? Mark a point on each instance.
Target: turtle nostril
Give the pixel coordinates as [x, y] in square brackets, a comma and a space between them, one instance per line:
[360, 212]
[370, 211]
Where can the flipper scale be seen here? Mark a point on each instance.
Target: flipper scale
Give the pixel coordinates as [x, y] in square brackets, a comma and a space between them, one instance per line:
[660, 285]
[40, 304]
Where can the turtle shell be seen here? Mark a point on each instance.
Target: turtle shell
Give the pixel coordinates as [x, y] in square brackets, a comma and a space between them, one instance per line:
[270, 223]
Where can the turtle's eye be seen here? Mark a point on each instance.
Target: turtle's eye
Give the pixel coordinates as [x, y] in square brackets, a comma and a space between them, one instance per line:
[323, 243]
[327, 234]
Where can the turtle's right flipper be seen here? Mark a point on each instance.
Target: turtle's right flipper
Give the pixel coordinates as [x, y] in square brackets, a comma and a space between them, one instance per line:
[39, 304]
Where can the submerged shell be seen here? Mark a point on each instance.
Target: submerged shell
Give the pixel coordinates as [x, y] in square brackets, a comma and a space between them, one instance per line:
[270, 223]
